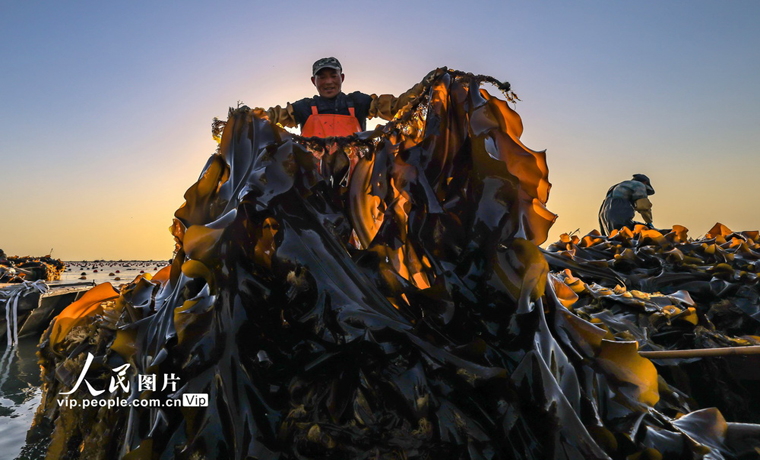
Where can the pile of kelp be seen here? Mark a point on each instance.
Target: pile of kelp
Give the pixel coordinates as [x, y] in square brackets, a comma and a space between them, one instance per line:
[667, 291]
[19, 269]
[374, 297]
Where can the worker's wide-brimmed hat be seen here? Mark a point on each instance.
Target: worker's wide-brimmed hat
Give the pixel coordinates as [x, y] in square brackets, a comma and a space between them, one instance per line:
[326, 63]
[644, 180]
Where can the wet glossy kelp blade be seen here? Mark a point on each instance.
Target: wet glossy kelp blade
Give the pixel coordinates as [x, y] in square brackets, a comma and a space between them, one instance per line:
[399, 308]
[667, 291]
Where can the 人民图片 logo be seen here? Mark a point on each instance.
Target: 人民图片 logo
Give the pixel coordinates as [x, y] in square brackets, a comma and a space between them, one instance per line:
[145, 382]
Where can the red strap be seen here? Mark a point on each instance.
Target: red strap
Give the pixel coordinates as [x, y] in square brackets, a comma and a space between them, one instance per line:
[351, 111]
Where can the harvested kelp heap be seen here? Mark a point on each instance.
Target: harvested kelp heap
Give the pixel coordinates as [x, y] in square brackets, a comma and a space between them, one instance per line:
[19, 269]
[398, 308]
[670, 292]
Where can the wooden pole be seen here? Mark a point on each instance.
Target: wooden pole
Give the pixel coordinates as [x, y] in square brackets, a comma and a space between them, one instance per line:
[701, 352]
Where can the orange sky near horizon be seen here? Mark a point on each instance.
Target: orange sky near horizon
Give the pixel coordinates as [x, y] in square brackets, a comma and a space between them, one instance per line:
[106, 111]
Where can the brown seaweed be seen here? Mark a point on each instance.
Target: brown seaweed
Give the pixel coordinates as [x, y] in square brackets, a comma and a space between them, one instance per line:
[400, 308]
[675, 293]
[15, 269]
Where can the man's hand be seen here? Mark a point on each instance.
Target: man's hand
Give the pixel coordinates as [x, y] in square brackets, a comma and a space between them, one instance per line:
[644, 207]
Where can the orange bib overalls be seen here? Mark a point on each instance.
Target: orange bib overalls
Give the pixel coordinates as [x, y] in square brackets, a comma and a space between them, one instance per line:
[330, 125]
[333, 125]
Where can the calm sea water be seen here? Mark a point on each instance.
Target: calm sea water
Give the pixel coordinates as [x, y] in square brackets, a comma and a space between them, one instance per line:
[109, 271]
[20, 395]
[20, 392]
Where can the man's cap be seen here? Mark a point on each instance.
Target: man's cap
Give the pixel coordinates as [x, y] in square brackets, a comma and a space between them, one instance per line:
[644, 180]
[326, 63]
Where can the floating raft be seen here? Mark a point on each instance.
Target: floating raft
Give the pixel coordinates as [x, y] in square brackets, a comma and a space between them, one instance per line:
[36, 309]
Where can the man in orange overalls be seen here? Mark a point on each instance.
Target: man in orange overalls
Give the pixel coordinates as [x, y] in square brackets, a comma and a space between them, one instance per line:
[333, 113]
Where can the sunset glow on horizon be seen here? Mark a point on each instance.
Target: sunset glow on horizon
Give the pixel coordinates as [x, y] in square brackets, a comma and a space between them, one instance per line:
[107, 109]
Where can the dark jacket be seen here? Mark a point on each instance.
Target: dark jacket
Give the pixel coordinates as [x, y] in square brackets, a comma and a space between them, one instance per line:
[337, 105]
[385, 106]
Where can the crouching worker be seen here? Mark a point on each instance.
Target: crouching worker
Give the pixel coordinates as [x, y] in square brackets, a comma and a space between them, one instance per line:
[333, 113]
[623, 201]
